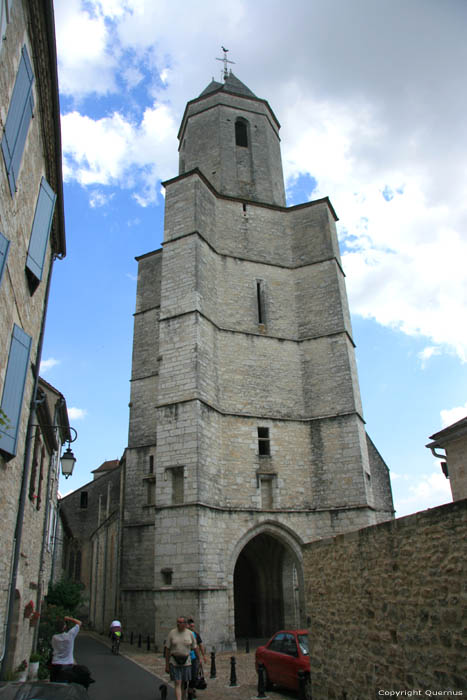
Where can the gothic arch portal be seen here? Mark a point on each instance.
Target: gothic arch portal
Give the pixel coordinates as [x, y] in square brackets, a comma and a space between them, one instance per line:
[268, 591]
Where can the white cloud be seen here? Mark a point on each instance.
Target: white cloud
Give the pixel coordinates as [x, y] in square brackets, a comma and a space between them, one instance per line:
[48, 364]
[85, 63]
[99, 199]
[76, 413]
[427, 353]
[452, 415]
[429, 491]
[116, 151]
[381, 137]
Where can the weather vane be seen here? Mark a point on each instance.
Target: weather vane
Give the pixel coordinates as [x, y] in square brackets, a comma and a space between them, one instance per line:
[225, 60]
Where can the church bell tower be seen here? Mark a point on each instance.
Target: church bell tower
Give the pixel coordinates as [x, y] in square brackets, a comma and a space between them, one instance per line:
[246, 436]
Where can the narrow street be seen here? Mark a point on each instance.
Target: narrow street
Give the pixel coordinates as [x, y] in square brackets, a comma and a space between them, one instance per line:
[116, 676]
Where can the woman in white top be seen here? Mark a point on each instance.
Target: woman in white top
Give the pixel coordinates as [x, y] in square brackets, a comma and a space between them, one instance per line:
[63, 645]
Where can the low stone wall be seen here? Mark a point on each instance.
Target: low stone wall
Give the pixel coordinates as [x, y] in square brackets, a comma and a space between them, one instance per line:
[387, 608]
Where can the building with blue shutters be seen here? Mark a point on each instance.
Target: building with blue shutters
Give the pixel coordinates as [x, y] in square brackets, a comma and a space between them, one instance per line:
[32, 235]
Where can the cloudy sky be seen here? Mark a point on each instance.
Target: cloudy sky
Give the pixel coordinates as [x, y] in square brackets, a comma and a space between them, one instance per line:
[372, 102]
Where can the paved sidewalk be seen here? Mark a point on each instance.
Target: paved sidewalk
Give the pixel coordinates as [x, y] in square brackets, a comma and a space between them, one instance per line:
[218, 688]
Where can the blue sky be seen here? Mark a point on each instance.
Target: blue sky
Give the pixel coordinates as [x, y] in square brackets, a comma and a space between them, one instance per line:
[371, 117]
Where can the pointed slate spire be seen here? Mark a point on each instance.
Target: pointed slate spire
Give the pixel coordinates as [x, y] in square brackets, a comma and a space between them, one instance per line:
[232, 84]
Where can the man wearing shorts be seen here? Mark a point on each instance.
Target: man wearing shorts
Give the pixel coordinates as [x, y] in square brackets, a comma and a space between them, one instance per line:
[178, 645]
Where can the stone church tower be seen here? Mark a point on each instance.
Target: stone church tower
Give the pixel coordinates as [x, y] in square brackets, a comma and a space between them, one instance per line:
[246, 435]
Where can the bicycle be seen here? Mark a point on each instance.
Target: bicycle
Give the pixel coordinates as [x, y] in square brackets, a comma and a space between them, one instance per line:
[116, 642]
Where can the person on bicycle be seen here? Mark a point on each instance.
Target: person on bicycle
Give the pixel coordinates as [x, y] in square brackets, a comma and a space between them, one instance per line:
[115, 630]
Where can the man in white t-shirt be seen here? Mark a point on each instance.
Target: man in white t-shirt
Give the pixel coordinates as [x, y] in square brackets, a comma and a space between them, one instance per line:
[63, 646]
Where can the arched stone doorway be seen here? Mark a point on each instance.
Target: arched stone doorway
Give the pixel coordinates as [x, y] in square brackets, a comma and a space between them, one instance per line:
[267, 594]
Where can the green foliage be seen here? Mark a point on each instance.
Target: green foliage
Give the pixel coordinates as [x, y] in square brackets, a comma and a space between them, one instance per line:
[66, 594]
[35, 657]
[51, 615]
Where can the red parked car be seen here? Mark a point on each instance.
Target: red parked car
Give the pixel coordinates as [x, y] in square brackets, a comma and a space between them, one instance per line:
[283, 657]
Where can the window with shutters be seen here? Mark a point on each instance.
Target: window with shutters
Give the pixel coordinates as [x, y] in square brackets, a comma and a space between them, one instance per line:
[40, 234]
[18, 119]
[13, 390]
[4, 246]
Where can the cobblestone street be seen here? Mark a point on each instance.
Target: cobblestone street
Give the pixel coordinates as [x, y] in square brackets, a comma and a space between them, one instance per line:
[218, 687]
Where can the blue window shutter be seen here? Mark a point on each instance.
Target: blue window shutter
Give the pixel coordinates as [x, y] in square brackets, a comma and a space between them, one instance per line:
[4, 245]
[13, 388]
[18, 119]
[41, 229]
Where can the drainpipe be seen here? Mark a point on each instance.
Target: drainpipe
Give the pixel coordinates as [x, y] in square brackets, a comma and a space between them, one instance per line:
[24, 483]
[438, 455]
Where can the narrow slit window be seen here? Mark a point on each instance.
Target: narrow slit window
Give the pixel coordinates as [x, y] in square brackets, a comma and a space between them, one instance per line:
[260, 301]
[264, 442]
[241, 133]
[177, 485]
[151, 464]
[83, 499]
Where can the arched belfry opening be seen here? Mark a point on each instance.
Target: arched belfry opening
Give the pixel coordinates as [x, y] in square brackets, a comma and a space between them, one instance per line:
[241, 133]
[267, 594]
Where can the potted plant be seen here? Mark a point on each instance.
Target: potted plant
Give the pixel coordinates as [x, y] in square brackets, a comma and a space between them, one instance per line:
[34, 618]
[28, 609]
[34, 661]
[21, 671]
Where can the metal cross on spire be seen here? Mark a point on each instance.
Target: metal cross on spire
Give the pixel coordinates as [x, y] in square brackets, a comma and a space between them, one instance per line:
[225, 60]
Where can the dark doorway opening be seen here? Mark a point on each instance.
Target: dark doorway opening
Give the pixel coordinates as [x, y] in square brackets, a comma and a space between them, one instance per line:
[264, 588]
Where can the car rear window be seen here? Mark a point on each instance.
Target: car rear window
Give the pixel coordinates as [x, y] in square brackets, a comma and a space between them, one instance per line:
[303, 642]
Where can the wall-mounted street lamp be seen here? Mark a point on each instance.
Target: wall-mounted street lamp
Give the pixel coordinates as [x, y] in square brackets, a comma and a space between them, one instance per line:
[68, 458]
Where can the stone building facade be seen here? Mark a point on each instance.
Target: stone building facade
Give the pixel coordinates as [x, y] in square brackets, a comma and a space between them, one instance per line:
[246, 435]
[31, 236]
[387, 608]
[453, 440]
[90, 538]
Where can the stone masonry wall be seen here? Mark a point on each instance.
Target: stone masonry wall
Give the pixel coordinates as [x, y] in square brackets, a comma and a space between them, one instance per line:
[387, 607]
[208, 142]
[19, 306]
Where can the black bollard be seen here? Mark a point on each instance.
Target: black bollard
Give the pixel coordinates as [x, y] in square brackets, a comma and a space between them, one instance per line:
[131, 638]
[163, 691]
[139, 641]
[233, 672]
[261, 684]
[213, 665]
[302, 681]
[247, 646]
